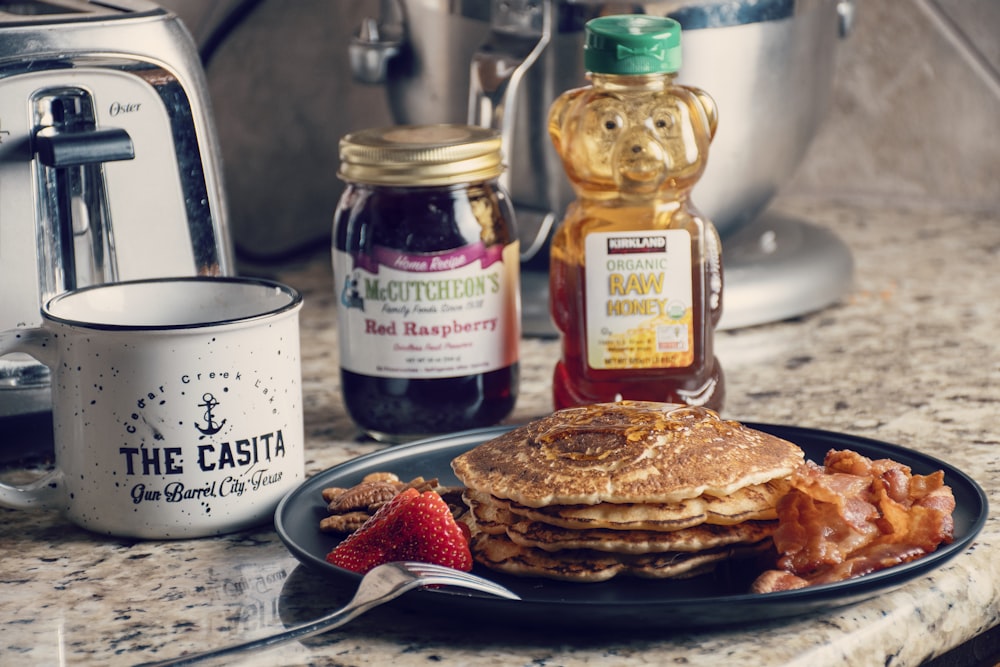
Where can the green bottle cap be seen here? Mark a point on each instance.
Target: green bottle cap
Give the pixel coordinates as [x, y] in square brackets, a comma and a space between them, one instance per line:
[632, 44]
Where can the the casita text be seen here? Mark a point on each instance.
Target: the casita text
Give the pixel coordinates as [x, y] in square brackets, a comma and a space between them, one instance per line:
[212, 456]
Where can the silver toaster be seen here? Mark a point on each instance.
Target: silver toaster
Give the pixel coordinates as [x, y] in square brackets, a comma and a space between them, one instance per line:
[108, 161]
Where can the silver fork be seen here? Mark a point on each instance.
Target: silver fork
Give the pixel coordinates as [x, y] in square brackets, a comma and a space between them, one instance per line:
[381, 584]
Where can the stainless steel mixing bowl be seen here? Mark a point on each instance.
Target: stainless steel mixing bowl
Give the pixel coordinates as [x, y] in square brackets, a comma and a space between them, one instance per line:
[768, 64]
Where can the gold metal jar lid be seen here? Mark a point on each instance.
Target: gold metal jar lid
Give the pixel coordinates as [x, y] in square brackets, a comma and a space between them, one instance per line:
[415, 155]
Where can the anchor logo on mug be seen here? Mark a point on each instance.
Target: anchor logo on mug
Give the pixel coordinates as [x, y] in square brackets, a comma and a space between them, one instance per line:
[210, 428]
[177, 405]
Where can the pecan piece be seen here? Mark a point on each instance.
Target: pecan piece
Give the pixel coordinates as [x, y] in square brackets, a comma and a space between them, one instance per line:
[421, 484]
[380, 477]
[362, 497]
[329, 494]
[350, 508]
[343, 523]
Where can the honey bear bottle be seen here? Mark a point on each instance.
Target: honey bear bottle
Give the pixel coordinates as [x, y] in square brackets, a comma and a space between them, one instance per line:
[635, 271]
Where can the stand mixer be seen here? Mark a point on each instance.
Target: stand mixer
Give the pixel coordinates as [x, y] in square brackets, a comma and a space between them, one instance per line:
[768, 64]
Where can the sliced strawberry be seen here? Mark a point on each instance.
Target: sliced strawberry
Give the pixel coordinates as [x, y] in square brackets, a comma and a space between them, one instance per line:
[369, 545]
[412, 526]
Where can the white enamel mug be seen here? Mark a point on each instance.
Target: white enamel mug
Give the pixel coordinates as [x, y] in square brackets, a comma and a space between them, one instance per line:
[176, 405]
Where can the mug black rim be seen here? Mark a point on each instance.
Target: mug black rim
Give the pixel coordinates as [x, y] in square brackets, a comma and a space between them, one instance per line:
[294, 302]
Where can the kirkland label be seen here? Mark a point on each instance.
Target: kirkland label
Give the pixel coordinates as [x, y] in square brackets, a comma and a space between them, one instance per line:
[639, 300]
[428, 315]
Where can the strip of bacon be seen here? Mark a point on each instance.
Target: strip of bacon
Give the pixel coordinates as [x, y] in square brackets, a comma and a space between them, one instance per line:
[853, 516]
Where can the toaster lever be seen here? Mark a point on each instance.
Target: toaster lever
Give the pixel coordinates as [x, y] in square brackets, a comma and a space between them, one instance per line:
[58, 148]
[74, 213]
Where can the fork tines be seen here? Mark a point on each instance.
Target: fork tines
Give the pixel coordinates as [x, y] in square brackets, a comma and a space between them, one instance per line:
[442, 575]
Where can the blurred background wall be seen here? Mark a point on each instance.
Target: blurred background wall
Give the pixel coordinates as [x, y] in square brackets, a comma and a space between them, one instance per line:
[915, 113]
[914, 118]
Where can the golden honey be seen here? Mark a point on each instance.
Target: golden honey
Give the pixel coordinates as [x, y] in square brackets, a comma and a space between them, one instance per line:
[635, 270]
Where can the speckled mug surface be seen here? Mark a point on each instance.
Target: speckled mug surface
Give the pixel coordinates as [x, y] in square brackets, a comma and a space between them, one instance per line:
[177, 405]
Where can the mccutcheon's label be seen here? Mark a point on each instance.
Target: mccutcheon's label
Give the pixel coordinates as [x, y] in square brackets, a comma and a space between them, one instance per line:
[639, 300]
[428, 315]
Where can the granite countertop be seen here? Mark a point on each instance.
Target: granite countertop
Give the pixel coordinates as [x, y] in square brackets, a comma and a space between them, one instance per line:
[909, 356]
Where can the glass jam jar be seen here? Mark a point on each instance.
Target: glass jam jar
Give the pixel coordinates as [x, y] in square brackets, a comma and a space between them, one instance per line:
[426, 267]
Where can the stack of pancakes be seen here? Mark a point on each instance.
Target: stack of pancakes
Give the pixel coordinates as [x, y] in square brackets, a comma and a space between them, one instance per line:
[648, 489]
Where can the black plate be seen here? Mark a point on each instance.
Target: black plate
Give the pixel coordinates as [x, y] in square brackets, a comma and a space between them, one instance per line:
[709, 600]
